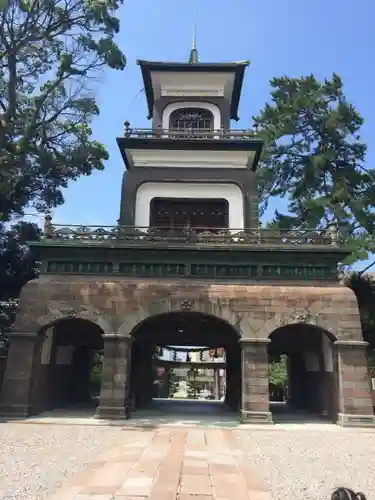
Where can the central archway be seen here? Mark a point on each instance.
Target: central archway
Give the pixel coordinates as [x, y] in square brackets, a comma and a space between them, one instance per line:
[214, 375]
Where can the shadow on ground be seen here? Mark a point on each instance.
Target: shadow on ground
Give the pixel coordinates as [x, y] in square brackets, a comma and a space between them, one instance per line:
[166, 412]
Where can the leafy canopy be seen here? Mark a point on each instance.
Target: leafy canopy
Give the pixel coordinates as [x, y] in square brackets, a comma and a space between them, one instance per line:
[315, 158]
[364, 288]
[278, 371]
[17, 267]
[50, 50]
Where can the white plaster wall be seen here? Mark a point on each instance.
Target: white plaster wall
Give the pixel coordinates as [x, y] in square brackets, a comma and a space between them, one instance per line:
[195, 159]
[149, 190]
[45, 357]
[327, 353]
[190, 84]
[168, 110]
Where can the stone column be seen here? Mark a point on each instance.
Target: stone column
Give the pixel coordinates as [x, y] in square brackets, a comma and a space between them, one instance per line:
[255, 405]
[354, 389]
[115, 377]
[328, 392]
[19, 389]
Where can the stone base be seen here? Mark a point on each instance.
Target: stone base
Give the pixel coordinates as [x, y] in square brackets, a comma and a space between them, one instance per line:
[256, 417]
[112, 412]
[348, 420]
[15, 411]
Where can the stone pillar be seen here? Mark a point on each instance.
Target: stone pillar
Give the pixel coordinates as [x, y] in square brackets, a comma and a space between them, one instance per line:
[354, 389]
[255, 405]
[217, 392]
[328, 389]
[115, 377]
[18, 392]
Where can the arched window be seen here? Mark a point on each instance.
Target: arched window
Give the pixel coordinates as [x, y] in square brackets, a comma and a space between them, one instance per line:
[191, 119]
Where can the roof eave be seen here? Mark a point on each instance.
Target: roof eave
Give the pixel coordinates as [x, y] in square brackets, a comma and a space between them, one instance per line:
[123, 150]
[238, 68]
[236, 93]
[126, 144]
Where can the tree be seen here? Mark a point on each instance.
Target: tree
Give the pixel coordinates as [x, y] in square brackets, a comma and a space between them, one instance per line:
[278, 372]
[50, 50]
[364, 288]
[315, 158]
[96, 373]
[173, 384]
[17, 267]
[193, 386]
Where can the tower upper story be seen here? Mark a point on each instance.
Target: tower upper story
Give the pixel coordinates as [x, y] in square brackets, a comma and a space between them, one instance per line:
[198, 96]
[189, 161]
[189, 196]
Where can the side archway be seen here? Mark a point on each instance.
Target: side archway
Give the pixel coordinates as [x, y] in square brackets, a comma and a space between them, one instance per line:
[53, 367]
[69, 363]
[312, 318]
[306, 359]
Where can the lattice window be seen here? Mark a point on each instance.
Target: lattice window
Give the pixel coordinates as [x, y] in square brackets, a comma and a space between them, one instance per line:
[191, 119]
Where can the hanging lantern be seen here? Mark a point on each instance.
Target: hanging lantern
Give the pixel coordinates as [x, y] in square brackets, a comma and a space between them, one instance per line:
[174, 355]
[201, 356]
[187, 358]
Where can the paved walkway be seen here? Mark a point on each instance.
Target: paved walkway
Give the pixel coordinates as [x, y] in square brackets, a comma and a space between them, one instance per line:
[169, 464]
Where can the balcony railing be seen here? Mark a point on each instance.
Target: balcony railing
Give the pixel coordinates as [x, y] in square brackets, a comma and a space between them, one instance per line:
[187, 235]
[188, 134]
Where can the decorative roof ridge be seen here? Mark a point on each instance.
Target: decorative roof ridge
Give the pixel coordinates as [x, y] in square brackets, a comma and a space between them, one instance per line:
[140, 62]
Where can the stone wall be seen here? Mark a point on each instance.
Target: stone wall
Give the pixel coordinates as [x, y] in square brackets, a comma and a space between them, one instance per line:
[3, 360]
[355, 394]
[117, 306]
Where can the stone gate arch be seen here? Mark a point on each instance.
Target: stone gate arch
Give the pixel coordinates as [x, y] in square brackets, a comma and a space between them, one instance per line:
[207, 306]
[313, 318]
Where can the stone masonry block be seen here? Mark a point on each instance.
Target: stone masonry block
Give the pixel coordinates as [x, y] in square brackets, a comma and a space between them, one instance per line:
[255, 310]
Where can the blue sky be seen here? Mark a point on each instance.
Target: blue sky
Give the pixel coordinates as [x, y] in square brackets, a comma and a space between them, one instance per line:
[289, 37]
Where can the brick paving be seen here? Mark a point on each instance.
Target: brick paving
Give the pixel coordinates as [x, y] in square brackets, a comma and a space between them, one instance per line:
[168, 464]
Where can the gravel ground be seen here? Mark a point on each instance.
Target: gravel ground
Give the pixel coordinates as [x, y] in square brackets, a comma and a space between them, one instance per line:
[36, 459]
[308, 465]
[297, 464]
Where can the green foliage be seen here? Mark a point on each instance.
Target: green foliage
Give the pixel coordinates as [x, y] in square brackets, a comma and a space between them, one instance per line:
[193, 386]
[315, 158]
[17, 267]
[8, 310]
[278, 372]
[50, 51]
[172, 383]
[96, 373]
[364, 288]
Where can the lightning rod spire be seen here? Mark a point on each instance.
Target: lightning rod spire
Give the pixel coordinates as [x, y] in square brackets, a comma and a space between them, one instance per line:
[194, 56]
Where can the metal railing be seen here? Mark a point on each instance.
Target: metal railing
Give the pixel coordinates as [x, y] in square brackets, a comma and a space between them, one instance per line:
[188, 134]
[187, 235]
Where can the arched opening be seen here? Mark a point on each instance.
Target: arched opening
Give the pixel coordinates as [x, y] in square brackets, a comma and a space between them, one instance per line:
[187, 363]
[192, 121]
[302, 373]
[69, 373]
